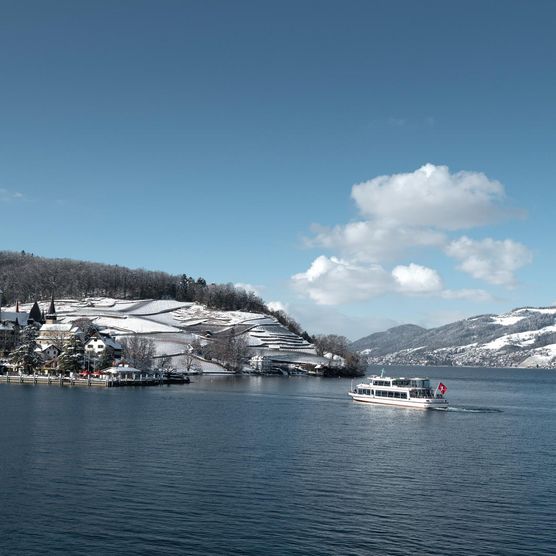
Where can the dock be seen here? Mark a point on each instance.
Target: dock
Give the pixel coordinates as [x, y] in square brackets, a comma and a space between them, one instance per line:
[109, 382]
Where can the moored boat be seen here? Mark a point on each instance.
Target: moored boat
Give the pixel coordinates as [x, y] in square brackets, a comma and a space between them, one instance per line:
[407, 392]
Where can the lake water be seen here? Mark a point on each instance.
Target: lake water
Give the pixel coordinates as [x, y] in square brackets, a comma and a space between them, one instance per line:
[276, 466]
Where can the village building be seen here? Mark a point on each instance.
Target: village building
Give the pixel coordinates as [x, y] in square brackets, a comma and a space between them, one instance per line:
[8, 336]
[261, 363]
[100, 342]
[54, 332]
[10, 324]
[49, 352]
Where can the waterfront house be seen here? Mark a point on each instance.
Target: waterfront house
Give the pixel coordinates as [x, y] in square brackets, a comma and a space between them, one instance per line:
[100, 342]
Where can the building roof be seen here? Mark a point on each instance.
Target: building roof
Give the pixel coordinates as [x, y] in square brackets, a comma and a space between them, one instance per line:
[123, 370]
[59, 327]
[51, 309]
[48, 347]
[12, 316]
[107, 341]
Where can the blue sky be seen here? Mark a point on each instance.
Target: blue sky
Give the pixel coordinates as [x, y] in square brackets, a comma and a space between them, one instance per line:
[212, 137]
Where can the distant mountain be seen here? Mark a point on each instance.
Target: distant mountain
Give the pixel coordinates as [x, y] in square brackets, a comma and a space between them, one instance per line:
[383, 343]
[524, 337]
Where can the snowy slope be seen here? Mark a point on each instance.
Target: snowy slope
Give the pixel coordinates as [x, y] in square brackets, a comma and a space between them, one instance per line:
[173, 325]
[524, 337]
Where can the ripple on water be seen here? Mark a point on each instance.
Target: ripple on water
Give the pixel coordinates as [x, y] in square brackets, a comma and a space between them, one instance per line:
[275, 467]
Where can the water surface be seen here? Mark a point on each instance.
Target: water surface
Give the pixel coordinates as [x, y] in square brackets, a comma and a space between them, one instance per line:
[279, 466]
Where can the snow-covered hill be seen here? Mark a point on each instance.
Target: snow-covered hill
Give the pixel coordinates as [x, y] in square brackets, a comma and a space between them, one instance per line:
[524, 337]
[173, 325]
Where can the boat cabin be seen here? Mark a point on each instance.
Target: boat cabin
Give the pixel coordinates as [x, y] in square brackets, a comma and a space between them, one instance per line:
[400, 388]
[382, 393]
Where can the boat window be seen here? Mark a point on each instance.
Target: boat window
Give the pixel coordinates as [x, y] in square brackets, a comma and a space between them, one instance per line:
[403, 395]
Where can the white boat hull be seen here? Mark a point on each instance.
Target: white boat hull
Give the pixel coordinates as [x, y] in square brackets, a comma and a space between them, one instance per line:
[425, 403]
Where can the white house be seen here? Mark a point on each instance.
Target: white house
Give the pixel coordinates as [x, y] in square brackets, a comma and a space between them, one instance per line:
[57, 333]
[99, 342]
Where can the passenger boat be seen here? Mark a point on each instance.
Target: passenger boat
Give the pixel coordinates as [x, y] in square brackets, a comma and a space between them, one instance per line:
[408, 392]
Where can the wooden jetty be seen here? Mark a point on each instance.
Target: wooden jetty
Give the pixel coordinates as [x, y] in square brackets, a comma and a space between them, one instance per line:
[107, 382]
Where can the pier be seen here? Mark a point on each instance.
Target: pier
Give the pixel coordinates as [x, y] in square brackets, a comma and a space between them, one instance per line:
[108, 382]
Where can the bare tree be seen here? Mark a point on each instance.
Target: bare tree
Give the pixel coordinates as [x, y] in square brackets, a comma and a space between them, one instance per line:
[87, 326]
[139, 351]
[228, 348]
[332, 343]
[164, 361]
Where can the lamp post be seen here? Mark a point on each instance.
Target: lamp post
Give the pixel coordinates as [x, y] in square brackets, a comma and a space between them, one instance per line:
[1, 292]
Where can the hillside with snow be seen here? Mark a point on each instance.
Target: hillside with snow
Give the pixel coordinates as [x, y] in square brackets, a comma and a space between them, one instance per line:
[524, 337]
[174, 325]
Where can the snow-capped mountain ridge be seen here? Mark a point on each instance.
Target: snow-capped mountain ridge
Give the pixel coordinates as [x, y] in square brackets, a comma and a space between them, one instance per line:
[523, 337]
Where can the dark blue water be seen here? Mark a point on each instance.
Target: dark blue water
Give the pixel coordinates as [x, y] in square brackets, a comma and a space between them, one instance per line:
[279, 466]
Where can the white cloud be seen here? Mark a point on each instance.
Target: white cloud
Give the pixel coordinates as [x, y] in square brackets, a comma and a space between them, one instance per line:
[333, 281]
[416, 279]
[432, 197]
[413, 210]
[407, 212]
[468, 294]
[330, 281]
[6, 195]
[372, 240]
[491, 260]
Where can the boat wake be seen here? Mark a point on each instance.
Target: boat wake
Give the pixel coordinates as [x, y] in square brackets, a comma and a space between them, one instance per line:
[470, 409]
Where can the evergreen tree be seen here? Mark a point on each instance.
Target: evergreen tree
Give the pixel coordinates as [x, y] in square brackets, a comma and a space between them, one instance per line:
[35, 313]
[106, 358]
[71, 359]
[24, 357]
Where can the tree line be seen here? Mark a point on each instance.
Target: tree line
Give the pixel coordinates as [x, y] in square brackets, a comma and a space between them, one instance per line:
[25, 277]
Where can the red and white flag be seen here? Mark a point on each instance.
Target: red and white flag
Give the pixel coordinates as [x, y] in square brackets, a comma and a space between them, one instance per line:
[442, 388]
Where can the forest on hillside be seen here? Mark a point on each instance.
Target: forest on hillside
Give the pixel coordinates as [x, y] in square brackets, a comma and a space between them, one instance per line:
[25, 277]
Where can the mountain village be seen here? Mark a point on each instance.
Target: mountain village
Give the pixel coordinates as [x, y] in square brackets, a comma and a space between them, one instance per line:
[144, 340]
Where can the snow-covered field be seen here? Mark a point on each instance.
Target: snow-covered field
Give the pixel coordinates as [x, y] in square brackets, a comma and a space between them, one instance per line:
[173, 325]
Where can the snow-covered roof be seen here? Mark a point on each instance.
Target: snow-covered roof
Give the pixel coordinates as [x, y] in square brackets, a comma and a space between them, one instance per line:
[12, 316]
[59, 327]
[48, 347]
[123, 370]
[106, 340]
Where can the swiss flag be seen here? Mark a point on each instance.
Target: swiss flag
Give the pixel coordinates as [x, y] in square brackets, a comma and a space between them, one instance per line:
[442, 388]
